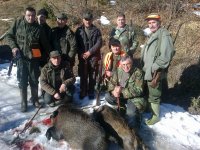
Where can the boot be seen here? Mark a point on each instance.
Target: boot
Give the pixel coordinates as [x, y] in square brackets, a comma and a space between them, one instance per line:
[23, 95]
[155, 108]
[34, 94]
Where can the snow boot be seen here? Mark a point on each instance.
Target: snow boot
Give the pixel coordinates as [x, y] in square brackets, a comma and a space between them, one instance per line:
[34, 95]
[155, 108]
[23, 95]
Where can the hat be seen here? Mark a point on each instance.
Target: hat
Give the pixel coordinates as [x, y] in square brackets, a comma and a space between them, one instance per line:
[114, 42]
[61, 16]
[87, 15]
[54, 53]
[42, 12]
[153, 16]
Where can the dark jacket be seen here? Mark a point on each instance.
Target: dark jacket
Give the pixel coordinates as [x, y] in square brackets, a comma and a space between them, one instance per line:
[52, 77]
[63, 40]
[92, 43]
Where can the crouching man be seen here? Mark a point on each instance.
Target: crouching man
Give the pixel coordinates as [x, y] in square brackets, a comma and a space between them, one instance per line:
[57, 80]
[126, 86]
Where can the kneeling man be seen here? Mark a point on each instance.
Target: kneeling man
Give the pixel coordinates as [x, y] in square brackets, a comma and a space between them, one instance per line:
[57, 80]
[126, 86]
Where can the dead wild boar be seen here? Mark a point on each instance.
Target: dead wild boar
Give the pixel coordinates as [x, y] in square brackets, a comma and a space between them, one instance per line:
[77, 128]
[115, 125]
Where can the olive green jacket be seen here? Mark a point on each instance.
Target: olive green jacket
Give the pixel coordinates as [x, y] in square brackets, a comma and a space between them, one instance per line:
[127, 38]
[63, 40]
[132, 84]
[26, 36]
[48, 81]
[157, 53]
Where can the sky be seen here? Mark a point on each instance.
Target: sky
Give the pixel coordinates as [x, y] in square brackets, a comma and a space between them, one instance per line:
[177, 129]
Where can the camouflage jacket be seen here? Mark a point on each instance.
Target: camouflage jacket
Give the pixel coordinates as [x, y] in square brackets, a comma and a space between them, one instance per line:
[52, 77]
[26, 36]
[131, 83]
[63, 40]
[127, 38]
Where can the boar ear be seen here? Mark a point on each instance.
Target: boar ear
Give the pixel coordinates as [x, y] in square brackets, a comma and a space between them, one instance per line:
[55, 114]
[48, 133]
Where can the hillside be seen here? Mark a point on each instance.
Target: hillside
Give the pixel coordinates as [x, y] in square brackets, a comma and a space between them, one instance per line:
[177, 16]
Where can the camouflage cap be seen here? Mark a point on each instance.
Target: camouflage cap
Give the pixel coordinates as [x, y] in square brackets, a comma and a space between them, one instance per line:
[88, 15]
[62, 16]
[54, 53]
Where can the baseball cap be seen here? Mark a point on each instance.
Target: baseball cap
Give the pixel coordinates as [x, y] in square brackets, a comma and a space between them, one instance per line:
[87, 15]
[62, 16]
[54, 53]
[153, 16]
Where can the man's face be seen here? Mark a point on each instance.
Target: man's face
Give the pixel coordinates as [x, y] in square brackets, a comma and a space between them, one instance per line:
[55, 60]
[30, 16]
[154, 25]
[126, 65]
[61, 22]
[121, 21]
[116, 49]
[87, 23]
[41, 19]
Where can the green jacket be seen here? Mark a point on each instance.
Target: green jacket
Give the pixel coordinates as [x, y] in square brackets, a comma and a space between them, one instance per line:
[157, 53]
[127, 38]
[63, 40]
[52, 77]
[131, 83]
[26, 36]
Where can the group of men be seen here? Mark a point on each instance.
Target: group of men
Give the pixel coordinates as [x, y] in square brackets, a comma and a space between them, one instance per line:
[54, 51]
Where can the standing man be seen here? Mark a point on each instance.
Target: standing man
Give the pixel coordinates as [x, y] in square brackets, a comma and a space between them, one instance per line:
[27, 39]
[125, 34]
[63, 39]
[126, 85]
[42, 16]
[156, 56]
[89, 41]
[57, 80]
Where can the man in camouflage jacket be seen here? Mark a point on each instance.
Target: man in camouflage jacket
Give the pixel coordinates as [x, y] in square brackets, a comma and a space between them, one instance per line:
[63, 39]
[125, 34]
[126, 86]
[26, 40]
[57, 80]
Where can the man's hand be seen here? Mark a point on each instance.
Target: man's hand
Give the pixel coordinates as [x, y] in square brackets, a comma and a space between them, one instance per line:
[86, 55]
[108, 73]
[156, 79]
[14, 51]
[57, 96]
[62, 88]
[116, 92]
[154, 83]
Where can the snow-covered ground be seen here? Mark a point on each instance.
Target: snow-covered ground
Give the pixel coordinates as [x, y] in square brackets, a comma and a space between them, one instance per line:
[177, 129]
